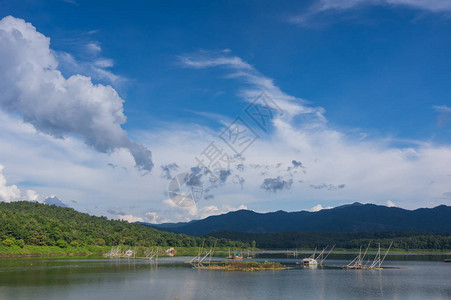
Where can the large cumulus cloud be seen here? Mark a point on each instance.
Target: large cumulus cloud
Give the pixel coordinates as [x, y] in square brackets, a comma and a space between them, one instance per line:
[10, 193]
[33, 87]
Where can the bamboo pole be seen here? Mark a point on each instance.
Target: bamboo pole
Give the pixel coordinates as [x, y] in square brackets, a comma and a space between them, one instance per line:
[328, 253]
[386, 254]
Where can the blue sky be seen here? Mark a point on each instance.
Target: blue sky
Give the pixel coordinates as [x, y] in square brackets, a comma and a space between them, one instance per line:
[364, 86]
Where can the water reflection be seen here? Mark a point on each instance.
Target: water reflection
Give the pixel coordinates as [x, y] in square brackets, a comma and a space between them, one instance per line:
[171, 278]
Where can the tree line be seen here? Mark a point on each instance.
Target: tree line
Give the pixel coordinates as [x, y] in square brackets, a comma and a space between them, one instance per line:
[25, 223]
[291, 240]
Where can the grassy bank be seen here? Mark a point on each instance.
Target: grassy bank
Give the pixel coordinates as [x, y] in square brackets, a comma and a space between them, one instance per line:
[31, 250]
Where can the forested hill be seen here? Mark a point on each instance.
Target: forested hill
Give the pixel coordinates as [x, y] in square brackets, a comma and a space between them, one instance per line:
[347, 218]
[26, 223]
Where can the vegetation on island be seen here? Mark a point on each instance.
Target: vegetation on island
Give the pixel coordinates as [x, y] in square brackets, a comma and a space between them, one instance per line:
[27, 227]
[244, 266]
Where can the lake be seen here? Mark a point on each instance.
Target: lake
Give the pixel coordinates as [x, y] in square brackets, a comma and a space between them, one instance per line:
[405, 277]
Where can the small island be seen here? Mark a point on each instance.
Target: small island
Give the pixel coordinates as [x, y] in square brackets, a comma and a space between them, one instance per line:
[244, 266]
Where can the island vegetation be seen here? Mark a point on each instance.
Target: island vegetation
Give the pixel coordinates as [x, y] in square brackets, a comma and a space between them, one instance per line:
[244, 266]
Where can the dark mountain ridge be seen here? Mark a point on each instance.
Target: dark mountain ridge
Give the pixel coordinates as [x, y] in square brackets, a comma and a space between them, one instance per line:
[354, 217]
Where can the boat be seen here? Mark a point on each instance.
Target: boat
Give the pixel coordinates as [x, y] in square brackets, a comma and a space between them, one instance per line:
[170, 252]
[234, 256]
[317, 259]
[309, 261]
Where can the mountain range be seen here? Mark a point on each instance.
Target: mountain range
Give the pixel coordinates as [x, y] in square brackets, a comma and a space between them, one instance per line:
[354, 217]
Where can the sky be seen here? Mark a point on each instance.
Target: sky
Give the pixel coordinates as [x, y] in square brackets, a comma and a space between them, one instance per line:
[168, 111]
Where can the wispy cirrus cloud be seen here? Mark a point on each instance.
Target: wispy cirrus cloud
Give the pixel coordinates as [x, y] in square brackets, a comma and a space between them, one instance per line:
[256, 82]
[94, 65]
[73, 2]
[330, 6]
[431, 5]
[444, 116]
[201, 62]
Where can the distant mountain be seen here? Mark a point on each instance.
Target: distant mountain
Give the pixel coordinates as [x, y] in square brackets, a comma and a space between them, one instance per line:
[355, 217]
[54, 201]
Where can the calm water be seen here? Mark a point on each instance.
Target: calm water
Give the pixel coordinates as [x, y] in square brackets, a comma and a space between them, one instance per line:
[408, 277]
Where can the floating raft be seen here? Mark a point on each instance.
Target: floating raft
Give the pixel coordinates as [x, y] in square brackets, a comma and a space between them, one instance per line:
[357, 263]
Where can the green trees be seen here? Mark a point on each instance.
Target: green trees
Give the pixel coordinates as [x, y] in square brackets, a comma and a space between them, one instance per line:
[25, 223]
[62, 243]
[8, 242]
[284, 240]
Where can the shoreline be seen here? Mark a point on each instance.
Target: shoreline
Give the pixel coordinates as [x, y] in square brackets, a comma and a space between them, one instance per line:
[53, 251]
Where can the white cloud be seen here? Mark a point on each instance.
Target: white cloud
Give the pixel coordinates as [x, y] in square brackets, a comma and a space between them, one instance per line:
[391, 204]
[213, 210]
[7, 193]
[196, 211]
[201, 62]
[94, 48]
[97, 68]
[104, 63]
[153, 217]
[130, 218]
[71, 2]
[371, 169]
[31, 195]
[431, 5]
[319, 207]
[320, 6]
[10, 193]
[256, 84]
[445, 114]
[32, 85]
[442, 108]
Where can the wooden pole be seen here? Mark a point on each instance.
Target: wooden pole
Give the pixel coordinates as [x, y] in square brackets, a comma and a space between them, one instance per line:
[328, 253]
[386, 254]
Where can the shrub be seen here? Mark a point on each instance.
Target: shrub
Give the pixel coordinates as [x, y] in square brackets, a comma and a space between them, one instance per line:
[75, 244]
[20, 243]
[99, 242]
[61, 243]
[8, 242]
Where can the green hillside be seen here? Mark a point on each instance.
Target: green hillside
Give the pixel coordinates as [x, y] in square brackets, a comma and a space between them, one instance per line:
[25, 224]
[406, 240]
